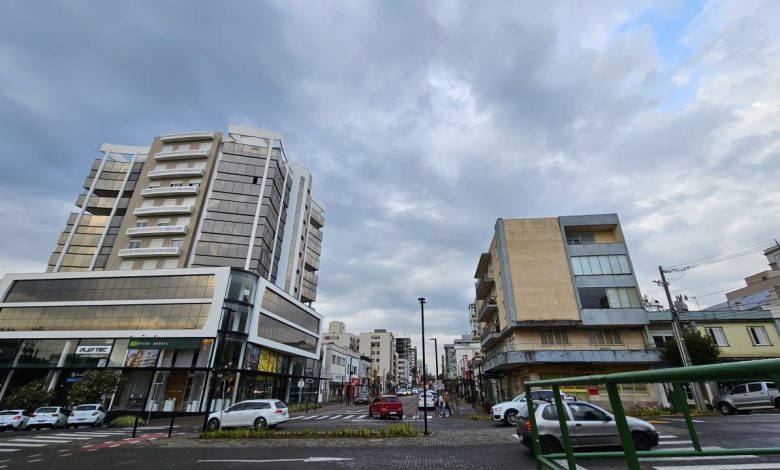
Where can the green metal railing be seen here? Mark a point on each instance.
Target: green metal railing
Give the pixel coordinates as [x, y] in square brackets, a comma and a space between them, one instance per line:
[746, 370]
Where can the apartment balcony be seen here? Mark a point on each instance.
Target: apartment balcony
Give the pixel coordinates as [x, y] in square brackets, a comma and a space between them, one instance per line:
[568, 354]
[482, 265]
[487, 309]
[181, 155]
[157, 230]
[163, 210]
[316, 219]
[186, 137]
[175, 173]
[150, 252]
[483, 287]
[311, 263]
[170, 191]
[490, 336]
[310, 277]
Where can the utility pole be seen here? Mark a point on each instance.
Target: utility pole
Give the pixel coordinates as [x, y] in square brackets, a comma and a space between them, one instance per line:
[424, 390]
[678, 338]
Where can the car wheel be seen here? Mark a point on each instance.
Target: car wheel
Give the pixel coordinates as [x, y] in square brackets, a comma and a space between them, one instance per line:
[550, 445]
[777, 403]
[510, 418]
[260, 423]
[213, 425]
[641, 441]
[725, 408]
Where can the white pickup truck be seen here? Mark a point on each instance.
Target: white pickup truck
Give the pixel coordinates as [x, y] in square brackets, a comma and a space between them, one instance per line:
[749, 396]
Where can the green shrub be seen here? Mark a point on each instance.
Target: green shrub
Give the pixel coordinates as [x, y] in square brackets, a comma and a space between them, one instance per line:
[29, 397]
[125, 421]
[394, 430]
[479, 418]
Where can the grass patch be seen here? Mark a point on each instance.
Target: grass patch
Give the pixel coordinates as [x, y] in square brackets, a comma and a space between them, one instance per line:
[645, 411]
[394, 430]
[125, 421]
[479, 418]
[302, 407]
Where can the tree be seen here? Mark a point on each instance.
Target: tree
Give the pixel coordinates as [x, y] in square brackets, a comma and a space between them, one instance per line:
[702, 349]
[29, 397]
[94, 385]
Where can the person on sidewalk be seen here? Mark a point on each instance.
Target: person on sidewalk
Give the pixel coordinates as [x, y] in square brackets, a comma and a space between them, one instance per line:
[440, 406]
[446, 399]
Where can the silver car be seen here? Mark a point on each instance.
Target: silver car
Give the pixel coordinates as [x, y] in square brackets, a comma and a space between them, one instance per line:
[589, 426]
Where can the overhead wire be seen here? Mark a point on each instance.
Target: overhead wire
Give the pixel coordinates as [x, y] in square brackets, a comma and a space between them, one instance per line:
[725, 256]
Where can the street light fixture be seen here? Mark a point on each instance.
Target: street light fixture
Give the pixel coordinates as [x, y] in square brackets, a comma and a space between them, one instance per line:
[425, 396]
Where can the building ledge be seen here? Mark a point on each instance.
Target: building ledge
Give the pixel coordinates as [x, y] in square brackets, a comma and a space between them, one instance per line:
[187, 136]
[509, 360]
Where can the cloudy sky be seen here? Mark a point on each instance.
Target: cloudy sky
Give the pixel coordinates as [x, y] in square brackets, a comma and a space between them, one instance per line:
[422, 122]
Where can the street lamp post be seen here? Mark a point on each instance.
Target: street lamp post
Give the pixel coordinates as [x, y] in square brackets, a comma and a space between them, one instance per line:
[425, 396]
[436, 356]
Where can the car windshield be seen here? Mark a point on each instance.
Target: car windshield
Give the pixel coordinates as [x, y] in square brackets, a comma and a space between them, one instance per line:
[46, 410]
[280, 404]
[520, 397]
[8, 413]
[85, 408]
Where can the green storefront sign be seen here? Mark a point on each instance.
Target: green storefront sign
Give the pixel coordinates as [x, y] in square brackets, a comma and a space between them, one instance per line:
[164, 343]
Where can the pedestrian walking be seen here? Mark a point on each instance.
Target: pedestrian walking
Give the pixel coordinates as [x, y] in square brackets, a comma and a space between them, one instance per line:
[446, 399]
[440, 406]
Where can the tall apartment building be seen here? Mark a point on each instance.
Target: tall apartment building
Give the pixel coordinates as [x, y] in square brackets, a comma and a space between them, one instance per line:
[403, 347]
[338, 335]
[198, 199]
[200, 243]
[558, 297]
[457, 356]
[379, 345]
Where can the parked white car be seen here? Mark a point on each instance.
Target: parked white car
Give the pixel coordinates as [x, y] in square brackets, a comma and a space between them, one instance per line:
[49, 417]
[14, 419]
[258, 414]
[426, 400]
[89, 415]
[507, 411]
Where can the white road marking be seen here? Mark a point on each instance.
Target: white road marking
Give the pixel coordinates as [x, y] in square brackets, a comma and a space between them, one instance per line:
[667, 437]
[675, 442]
[746, 466]
[38, 460]
[565, 465]
[65, 455]
[296, 417]
[336, 417]
[310, 417]
[10, 450]
[701, 457]
[677, 419]
[38, 441]
[18, 444]
[326, 416]
[309, 460]
[348, 417]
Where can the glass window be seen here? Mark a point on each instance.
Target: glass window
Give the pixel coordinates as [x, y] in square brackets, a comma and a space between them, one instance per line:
[42, 353]
[739, 389]
[758, 336]
[605, 337]
[554, 337]
[280, 306]
[8, 350]
[754, 387]
[595, 267]
[585, 412]
[606, 267]
[275, 330]
[717, 334]
[576, 266]
[624, 266]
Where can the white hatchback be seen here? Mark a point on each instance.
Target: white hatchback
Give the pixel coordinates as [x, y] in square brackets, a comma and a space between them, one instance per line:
[14, 419]
[49, 416]
[258, 414]
[426, 400]
[87, 415]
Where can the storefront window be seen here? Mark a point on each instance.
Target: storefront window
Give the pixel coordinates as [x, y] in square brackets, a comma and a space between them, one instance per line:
[118, 354]
[44, 353]
[242, 287]
[252, 357]
[235, 317]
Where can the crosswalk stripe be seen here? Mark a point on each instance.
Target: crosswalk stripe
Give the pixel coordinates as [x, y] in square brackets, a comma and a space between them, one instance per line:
[55, 438]
[701, 457]
[348, 417]
[325, 416]
[564, 464]
[667, 437]
[296, 417]
[310, 417]
[20, 444]
[38, 441]
[674, 442]
[336, 417]
[10, 450]
[746, 466]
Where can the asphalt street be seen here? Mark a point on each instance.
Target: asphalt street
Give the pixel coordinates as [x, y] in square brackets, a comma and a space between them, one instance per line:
[454, 443]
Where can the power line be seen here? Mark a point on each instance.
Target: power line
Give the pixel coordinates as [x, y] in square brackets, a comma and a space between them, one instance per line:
[755, 248]
[718, 292]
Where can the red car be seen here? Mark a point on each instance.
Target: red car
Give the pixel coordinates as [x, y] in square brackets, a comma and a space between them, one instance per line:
[386, 406]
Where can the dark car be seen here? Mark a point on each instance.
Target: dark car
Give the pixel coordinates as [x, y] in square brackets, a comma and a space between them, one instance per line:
[362, 399]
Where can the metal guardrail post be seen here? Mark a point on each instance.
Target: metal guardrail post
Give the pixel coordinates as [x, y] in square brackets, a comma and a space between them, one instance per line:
[135, 425]
[625, 433]
[170, 428]
[682, 403]
[534, 431]
[562, 421]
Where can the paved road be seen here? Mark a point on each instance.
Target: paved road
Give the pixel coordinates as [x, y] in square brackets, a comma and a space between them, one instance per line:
[453, 444]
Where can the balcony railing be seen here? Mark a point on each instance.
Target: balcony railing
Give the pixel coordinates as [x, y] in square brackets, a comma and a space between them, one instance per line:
[487, 309]
[490, 336]
[150, 252]
[175, 173]
[157, 210]
[316, 219]
[181, 155]
[483, 287]
[169, 191]
[580, 346]
[157, 230]
[187, 136]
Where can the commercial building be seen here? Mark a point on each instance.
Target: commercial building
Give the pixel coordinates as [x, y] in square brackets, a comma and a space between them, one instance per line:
[557, 297]
[457, 356]
[196, 253]
[338, 335]
[403, 347]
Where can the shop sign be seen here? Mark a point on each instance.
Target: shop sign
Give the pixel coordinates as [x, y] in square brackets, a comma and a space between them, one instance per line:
[164, 343]
[93, 350]
[593, 390]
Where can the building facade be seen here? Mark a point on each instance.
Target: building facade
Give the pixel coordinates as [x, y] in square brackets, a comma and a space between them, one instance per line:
[379, 345]
[557, 297]
[189, 266]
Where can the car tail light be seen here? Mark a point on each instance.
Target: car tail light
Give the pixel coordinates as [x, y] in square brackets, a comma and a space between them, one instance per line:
[279, 412]
[17, 417]
[528, 425]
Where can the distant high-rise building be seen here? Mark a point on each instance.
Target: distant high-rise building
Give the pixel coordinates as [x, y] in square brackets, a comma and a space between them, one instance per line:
[379, 345]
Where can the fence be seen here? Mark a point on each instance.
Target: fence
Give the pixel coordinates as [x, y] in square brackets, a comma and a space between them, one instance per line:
[746, 370]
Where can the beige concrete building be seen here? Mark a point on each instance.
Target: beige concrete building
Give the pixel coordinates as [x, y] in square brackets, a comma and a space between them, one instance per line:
[337, 334]
[379, 345]
[557, 297]
[198, 199]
